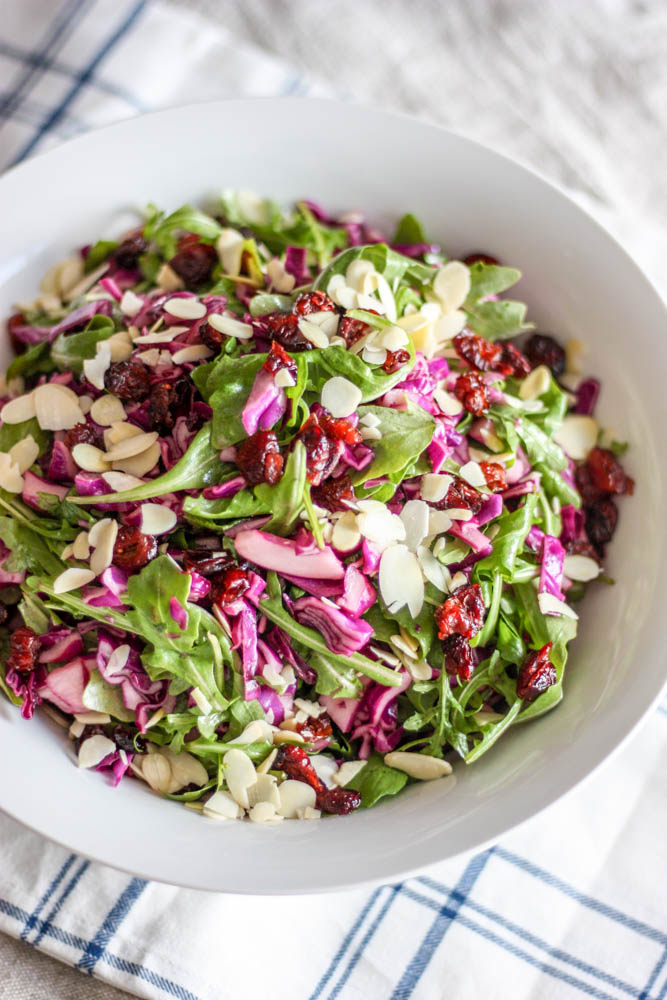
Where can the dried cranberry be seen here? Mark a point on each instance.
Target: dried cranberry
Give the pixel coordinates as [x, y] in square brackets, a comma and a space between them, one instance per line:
[284, 328]
[124, 739]
[279, 358]
[536, 674]
[128, 253]
[81, 433]
[194, 262]
[478, 352]
[494, 473]
[340, 428]
[206, 562]
[313, 302]
[395, 360]
[352, 330]
[294, 761]
[322, 450]
[461, 495]
[227, 587]
[470, 389]
[129, 380]
[462, 613]
[479, 258]
[332, 493]
[167, 399]
[339, 801]
[590, 493]
[210, 336]
[4, 614]
[513, 362]
[601, 521]
[541, 349]
[133, 550]
[459, 657]
[581, 547]
[259, 458]
[313, 730]
[13, 323]
[23, 650]
[607, 473]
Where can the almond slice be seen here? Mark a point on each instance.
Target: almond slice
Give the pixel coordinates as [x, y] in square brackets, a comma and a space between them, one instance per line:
[156, 519]
[346, 535]
[96, 368]
[103, 536]
[435, 485]
[117, 660]
[582, 568]
[118, 432]
[72, 579]
[131, 304]
[472, 473]
[418, 765]
[24, 453]
[140, 465]
[347, 771]
[452, 285]
[89, 458]
[240, 775]
[222, 806]
[230, 251]
[81, 546]
[577, 435]
[401, 580]
[107, 410]
[340, 396]
[134, 445]
[193, 352]
[264, 812]
[16, 411]
[295, 795]
[10, 475]
[313, 333]
[229, 326]
[121, 481]
[57, 407]
[185, 308]
[168, 280]
[120, 345]
[93, 750]
[536, 383]
[550, 605]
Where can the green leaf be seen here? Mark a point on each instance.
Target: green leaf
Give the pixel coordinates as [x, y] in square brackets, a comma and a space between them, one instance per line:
[409, 230]
[498, 320]
[217, 514]
[200, 466]
[231, 380]
[554, 485]
[489, 279]
[98, 253]
[99, 696]
[371, 380]
[275, 611]
[509, 541]
[541, 449]
[492, 732]
[392, 265]
[333, 678]
[164, 232]
[70, 350]
[555, 404]
[29, 550]
[35, 361]
[376, 780]
[11, 434]
[150, 592]
[267, 302]
[405, 435]
[285, 500]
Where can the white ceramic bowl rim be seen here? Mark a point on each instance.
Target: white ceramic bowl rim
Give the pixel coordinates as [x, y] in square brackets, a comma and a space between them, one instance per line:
[577, 280]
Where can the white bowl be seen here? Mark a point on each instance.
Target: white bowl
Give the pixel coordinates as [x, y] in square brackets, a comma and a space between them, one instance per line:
[577, 281]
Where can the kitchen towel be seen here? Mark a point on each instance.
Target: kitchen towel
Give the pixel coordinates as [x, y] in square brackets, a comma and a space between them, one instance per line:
[572, 903]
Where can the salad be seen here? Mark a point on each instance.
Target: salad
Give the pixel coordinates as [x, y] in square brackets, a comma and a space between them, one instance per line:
[291, 514]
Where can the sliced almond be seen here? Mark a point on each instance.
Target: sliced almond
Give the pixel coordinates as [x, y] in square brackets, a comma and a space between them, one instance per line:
[433, 570]
[281, 279]
[81, 546]
[313, 333]
[70, 273]
[267, 763]
[340, 396]
[161, 336]
[120, 346]
[118, 432]
[283, 378]
[156, 519]
[134, 445]
[371, 434]
[93, 750]
[347, 771]
[86, 282]
[140, 465]
[90, 458]
[447, 326]
[131, 303]
[105, 539]
[185, 770]
[415, 517]
[265, 789]
[222, 806]
[393, 338]
[240, 775]
[96, 368]
[439, 522]
[168, 280]
[193, 352]
[581, 568]
[229, 326]
[156, 772]
[264, 812]
[577, 435]
[185, 308]
[435, 486]
[574, 352]
[230, 251]
[419, 670]
[295, 795]
[401, 580]
[118, 482]
[418, 765]
[117, 660]
[10, 474]
[452, 285]
[472, 473]
[57, 407]
[24, 453]
[72, 579]
[257, 731]
[107, 410]
[346, 535]
[536, 383]
[16, 411]
[550, 605]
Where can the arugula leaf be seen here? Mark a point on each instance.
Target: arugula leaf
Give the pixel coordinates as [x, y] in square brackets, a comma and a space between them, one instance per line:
[541, 449]
[35, 361]
[405, 435]
[392, 265]
[326, 362]
[29, 550]
[98, 696]
[163, 231]
[200, 466]
[376, 780]
[211, 513]
[233, 380]
[492, 732]
[70, 350]
[98, 253]
[267, 302]
[11, 434]
[489, 279]
[333, 678]
[498, 320]
[509, 541]
[285, 500]
[554, 401]
[554, 485]
[409, 230]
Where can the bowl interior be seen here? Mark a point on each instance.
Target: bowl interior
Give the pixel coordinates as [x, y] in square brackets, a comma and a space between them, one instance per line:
[577, 282]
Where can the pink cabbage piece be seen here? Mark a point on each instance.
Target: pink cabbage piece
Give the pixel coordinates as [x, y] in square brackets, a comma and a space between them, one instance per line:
[64, 686]
[33, 485]
[140, 694]
[61, 464]
[470, 533]
[244, 636]
[587, 394]
[376, 718]
[358, 595]
[342, 633]
[60, 646]
[286, 555]
[26, 687]
[341, 710]
[8, 576]
[228, 489]
[572, 520]
[114, 765]
[295, 263]
[280, 643]
[551, 573]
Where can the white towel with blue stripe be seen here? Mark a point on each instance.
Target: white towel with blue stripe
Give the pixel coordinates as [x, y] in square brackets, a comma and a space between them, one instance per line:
[572, 904]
